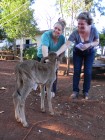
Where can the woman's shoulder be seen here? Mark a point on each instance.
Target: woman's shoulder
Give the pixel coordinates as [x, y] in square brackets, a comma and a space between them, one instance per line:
[47, 34]
[75, 33]
[93, 28]
[62, 36]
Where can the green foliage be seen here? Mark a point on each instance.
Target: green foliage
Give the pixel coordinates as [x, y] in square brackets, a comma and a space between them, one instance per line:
[102, 39]
[73, 7]
[30, 53]
[2, 34]
[69, 9]
[17, 19]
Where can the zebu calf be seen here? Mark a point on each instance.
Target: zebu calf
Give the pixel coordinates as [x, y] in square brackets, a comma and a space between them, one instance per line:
[32, 73]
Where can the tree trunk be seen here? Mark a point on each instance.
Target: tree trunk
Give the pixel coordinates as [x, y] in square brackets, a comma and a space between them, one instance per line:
[14, 47]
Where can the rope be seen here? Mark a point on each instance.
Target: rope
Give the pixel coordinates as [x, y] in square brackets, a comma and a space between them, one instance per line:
[33, 127]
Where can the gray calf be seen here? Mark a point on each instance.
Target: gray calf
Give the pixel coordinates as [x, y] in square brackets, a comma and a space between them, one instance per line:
[29, 74]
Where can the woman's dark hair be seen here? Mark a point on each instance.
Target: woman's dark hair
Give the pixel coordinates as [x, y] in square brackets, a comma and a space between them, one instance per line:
[61, 22]
[86, 16]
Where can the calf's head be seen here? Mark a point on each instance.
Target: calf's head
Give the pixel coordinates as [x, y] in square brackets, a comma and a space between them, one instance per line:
[52, 57]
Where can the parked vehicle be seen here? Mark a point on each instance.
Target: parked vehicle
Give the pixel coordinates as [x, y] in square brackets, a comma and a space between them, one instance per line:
[99, 62]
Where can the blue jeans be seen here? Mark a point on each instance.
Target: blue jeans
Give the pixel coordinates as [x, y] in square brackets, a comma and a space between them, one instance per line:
[54, 87]
[80, 57]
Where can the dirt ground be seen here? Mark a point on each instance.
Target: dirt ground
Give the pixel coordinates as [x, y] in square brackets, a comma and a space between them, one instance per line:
[73, 119]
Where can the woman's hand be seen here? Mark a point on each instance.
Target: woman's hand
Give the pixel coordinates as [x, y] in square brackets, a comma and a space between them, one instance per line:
[83, 47]
[80, 46]
[86, 46]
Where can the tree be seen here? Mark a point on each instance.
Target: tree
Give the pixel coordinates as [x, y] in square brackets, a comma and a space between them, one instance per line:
[98, 6]
[17, 19]
[102, 39]
[69, 9]
[2, 34]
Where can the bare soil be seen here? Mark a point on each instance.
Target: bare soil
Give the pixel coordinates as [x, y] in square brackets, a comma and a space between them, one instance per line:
[73, 119]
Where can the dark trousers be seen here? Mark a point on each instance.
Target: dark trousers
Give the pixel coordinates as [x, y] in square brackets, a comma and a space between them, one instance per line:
[54, 87]
[79, 57]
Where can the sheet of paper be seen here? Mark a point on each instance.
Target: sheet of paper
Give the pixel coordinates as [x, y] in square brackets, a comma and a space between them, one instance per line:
[80, 46]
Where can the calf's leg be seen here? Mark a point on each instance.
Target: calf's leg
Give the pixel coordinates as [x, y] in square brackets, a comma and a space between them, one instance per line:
[19, 103]
[49, 98]
[42, 89]
[16, 100]
[25, 92]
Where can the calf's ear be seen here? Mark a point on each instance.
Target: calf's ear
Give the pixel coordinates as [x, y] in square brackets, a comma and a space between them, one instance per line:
[43, 59]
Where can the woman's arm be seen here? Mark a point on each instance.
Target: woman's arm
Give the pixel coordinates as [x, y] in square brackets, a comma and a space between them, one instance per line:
[94, 43]
[91, 44]
[63, 47]
[44, 51]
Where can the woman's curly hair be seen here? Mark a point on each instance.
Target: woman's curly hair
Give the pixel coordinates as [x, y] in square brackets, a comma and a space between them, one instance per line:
[86, 16]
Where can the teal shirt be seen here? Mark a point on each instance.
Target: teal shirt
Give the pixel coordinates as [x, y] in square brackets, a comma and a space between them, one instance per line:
[46, 40]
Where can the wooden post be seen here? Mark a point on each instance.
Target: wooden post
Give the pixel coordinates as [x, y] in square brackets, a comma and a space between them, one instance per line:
[21, 49]
[68, 62]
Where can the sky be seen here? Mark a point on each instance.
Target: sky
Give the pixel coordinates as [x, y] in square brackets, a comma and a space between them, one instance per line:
[45, 11]
[100, 20]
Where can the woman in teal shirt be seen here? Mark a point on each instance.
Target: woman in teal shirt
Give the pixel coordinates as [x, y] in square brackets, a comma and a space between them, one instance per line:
[52, 40]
